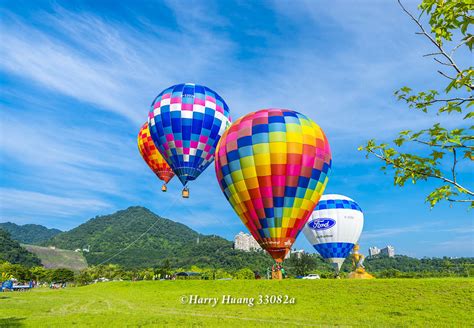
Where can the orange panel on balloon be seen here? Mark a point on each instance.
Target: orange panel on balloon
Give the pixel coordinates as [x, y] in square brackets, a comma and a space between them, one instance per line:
[152, 156]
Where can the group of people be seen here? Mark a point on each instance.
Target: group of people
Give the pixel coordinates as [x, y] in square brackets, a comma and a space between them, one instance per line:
[277, 271]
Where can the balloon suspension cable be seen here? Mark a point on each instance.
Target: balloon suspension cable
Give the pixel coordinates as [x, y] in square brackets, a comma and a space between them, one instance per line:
[143, 234]
[223, 224]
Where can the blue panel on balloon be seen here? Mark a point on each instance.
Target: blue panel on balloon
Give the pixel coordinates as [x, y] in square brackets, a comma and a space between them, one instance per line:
[337, 203]
[334, 250]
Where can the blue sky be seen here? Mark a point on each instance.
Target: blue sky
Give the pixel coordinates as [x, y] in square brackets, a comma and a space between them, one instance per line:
[77, 79]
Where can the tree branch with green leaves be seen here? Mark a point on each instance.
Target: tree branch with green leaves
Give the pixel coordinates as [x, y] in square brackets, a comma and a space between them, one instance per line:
[442, 149]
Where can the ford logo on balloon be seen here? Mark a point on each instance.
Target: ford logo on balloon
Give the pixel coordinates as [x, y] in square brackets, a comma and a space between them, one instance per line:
[321, 224]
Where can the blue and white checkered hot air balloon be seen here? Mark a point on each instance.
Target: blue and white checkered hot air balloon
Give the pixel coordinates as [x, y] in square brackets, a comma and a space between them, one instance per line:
[186, 122]
[334, 228]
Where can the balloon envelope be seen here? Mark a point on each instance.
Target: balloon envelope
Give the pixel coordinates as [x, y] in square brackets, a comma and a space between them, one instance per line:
[186, 122]
[152, 156]
[335, 227]
[272, 166]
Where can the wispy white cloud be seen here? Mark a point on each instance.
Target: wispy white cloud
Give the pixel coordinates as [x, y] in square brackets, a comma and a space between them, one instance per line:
[458, 233]
[34, 56]
[350, 93]
[60, 155]
[114, 66]
[202, 14]
[463, 245]
[393, 231]
[376, 234]
[41, 204]
[462, 230]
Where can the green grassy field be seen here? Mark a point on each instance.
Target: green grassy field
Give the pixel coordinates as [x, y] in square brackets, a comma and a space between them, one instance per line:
[58, 258]
[375, 303]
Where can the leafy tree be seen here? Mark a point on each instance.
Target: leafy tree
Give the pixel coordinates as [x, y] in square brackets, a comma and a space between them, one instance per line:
[16, 271]
[221, 274]
[5, 276]
[390, 273]
[424, 267]
[302, 265]
[208, 274]
[244, 273]
[442, 149]
[61, 275]
[38, 273]
[146, 274]
[111, 272]
[165, 269]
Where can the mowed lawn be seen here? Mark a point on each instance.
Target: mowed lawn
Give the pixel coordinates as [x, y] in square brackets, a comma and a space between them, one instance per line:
[376, 303]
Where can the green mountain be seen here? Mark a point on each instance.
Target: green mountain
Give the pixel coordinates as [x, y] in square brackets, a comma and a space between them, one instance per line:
[29, 233]
[11, 251]
[136, 238]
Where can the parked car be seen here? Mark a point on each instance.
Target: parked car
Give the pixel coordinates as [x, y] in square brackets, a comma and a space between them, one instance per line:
[312, 276]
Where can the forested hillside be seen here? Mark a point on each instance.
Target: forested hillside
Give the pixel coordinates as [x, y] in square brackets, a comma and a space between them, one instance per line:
[11, 251]
[29, 233]
[388, 267]
[107, 235]
[120, 238]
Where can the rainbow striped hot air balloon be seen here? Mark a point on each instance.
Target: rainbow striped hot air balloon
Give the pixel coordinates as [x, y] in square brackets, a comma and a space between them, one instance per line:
[152, 156]
[186, 123]
[273, 166]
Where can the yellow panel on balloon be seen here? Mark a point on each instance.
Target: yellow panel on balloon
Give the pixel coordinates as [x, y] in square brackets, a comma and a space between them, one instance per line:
[240, 186]
[278, 147]
[277, 137]
[294, 137]
[262, 159]
[273, 232]
[249, 172]
[247, 161]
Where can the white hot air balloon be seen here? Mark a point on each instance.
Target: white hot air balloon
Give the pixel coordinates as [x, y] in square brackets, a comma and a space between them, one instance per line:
[334, 228]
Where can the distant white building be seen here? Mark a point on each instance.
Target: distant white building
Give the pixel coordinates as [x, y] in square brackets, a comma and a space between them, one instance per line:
[295, 253]
[374, 251]
[86, 250]
[245, 242]
[388, 251]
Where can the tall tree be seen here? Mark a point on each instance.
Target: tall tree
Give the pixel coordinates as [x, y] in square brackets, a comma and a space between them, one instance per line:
[302, 265]
[442, 149]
